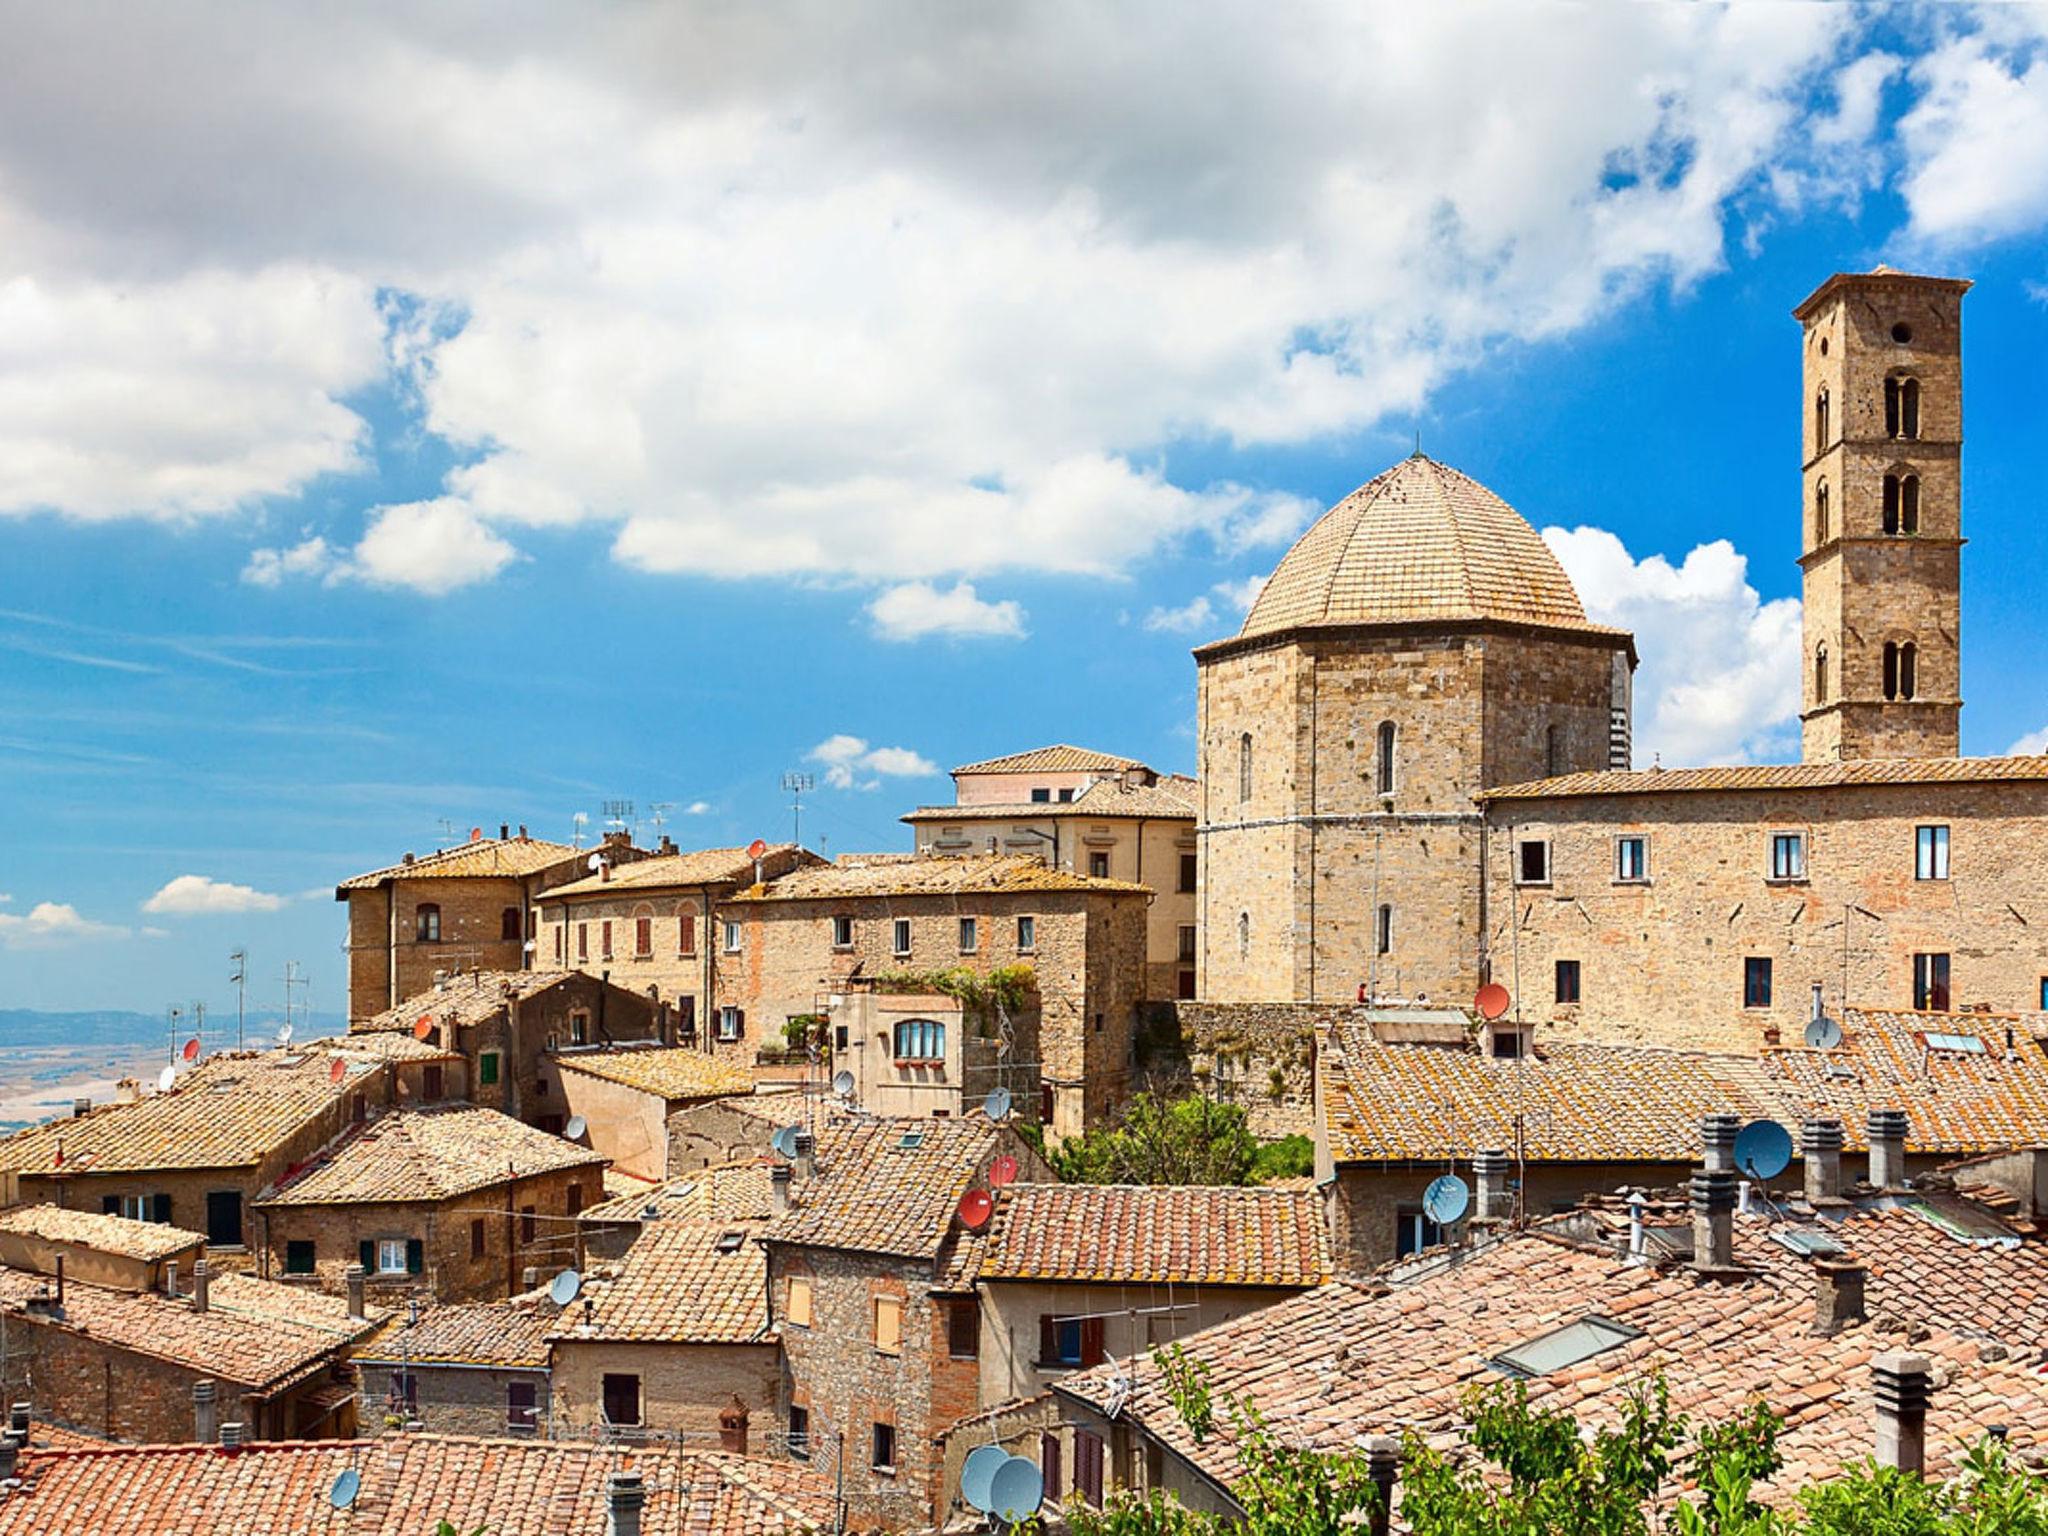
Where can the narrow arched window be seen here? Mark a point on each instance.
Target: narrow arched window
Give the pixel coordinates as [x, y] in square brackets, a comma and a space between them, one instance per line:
[1909, 504]
[1385, 771]
[1891, 670]
[1891, 407]
[1244, 935]
[1909, 670]
[1383, 933]
[1909, 408]
[1821, 529]
[1820, 673]
[1891, 504]
[1820, 422]
[1553, 750]
[1244, 766]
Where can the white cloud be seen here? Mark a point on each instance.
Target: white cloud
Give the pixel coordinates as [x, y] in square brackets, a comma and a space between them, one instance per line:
[1719, 680]
[312, 558]
[51, 923]
[1240, 595]
[697, 808]
[1976, 140]
[2033, 744]
[1193, 617]
[917, 609]
[850, 763]
[433, 547]
[187, 895]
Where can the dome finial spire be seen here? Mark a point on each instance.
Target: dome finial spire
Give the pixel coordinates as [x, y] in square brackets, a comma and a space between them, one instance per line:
[1418, 453]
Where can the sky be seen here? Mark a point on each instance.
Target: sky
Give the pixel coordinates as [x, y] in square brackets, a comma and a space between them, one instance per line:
[414, 419]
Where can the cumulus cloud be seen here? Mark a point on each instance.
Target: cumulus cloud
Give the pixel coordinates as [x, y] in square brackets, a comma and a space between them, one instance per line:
[310, 558]
[697, 808]
[51, 923]
[850, 763]
[1198, 615]
[433, 547]
[2033, 744]
[915, 610]
[190, 895]
[1719, 680]
[1976, 138]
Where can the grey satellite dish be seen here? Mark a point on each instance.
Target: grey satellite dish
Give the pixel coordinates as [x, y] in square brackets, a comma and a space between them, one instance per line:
[977, 1472]
[284, 1036]
[1763, 1149]
[165, 1079]
[595, 861]
[1016, 1490]
[565, 1287]
[345, 1489]
[997, 1105]
[842, 1084]
[576, 1127]
[784, 1140]
[1446, 1199]
[1823, 1034]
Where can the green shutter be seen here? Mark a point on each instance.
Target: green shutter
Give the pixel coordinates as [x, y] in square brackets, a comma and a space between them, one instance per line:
[487, 1068]
[415, 1256]
[366, 1255]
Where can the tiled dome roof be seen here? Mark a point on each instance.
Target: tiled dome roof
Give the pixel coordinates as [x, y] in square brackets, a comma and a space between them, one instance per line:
[1419, 541]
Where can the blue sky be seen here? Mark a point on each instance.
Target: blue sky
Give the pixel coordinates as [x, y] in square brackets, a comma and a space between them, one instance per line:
[420, 422]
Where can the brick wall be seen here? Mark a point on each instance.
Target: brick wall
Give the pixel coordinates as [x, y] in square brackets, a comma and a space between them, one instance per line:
[384, 940]
[452, 1400]
[683, 1387]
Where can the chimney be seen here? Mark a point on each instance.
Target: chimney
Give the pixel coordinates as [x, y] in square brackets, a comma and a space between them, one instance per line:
[1383, 1466]
[1717, 1139]
[1901, 1383]
[201, 1277]
[171, 1277]
[732, 1427]
[1713, 1220]
[778, 1182]
[626, 1495]
[205, 1412]
[1820, 1143]
[9, 1450]
[1490, 1173]
[805, 1163]
[354, 1275]
[504, 831]
[1837, 1295]
[80, 1107]
[1888, 1148]
[1638, 1240]
[231, 1435]
[529, 1278]
[17, 1421]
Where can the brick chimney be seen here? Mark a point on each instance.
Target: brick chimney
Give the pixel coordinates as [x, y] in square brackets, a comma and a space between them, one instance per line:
[18, 1421]
[1717, 1141]
[355, 1277]
[1837, 1295]
[1490, 1173]
[205, 1412]
[1887, 1131]
[1820, 1144]
[805, 1164]
[1713, 1220]
[1902, 1383]
[625, 1497]
[202, 1280]
[732, 1427]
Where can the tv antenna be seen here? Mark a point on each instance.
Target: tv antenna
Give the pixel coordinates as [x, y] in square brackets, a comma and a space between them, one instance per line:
[579, 821]
[447, 832]
[657, 815]
[796, 786]
[294, 978]
[176, 1014]
[240, 960]
[618, 815]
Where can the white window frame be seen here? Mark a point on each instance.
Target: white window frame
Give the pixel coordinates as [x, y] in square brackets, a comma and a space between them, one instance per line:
[728, 1025]
[732, 936]
[386, 1246]
[1931, 851]
[135, 1207]
[842, 932]
[1641, 875]
[1796, 869]
[899, 936]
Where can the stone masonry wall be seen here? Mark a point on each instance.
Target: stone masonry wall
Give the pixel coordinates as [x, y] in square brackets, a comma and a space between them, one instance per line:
[453, 1401]
[683, 1387]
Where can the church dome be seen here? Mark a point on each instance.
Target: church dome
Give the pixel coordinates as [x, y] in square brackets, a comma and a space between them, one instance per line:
[1416, 543]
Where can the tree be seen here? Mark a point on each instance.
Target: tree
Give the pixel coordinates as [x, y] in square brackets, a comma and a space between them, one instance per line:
[1162, 1141]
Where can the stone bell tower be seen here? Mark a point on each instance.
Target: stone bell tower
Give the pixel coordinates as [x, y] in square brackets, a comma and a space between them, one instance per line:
[1882, 515]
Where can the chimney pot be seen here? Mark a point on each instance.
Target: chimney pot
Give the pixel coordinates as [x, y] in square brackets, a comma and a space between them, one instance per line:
[9, 1451]
[1490, 1173]
[732, 1427]
[231, 1435]
[80, 1107]
[202, 1277]
[1887, 1130]
[18, 1420]
[1902, 1382]
[1713, 1220]
[355, 1278]
[626, 1495]
[805, 1164]
[1820, 1141]
[529, 1278]
[1383, 1466]
[171, 1277]
[1838, 1289]
[504, 831]
[1717, 1141]
[205, 1412]
[778, 1183]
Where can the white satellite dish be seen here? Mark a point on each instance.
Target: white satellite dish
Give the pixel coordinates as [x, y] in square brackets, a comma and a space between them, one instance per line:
[594, 863]
[346, 1487]
[997, 1105]
[576, 1127]
[1446, 1199]
[165, 1079]
[284, 1036]
[1823, 1034]
[977, 1472]
[784, 1140]
[842, 1085]
[531, 947]
[565, 1287]
[1016, 1490]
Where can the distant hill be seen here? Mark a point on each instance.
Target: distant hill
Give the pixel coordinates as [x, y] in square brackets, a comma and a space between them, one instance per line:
[29, 1027]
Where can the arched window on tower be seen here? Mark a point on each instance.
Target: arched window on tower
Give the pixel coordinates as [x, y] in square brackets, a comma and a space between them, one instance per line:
[1244, 935]
[1909, 670]
[1244, 766]
[1820, 422]
[1383, 930]
[1820, 673]
[1384, 770]
[1902, 407]
[1821, 527]
[1909, 504]
[1890, 521]
[1553, 750]
[1891, 669]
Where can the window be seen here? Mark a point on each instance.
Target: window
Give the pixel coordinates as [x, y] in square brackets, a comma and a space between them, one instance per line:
[224, 1218]
[1532, 862]
[1930, 853]
[1184, 988]
[1088, 1466]
[508, 926]
[1244, 935]
[1909, 669]
[920, 1040]
[526, 1223]
[404, 1391]
[643, 937]
[1562, 1348]
[1902, 407]
[1098, 866]
[579, 1029]
[883, 1456]
[575, 1199]
[1027, 933]
[1901, 504]
[1065, 796]
[621, 1398]
[583, 941]
[963, 1329]
[1553, 750]
[1414, 1231]
[1820, 422]
[2044, 994]
[686, 933]
[1076, 1341]
[561, 941]
[1383, 771]
[1567, 981]
[433, 1083]
[298, 1257]
[605, 938]
[969, 936]
[390, 1255]
[1891, 669]
[1821, 528]
[1930, 983]
[899, 936]
[799, 1308]
[1187, 941]
[1188, 869]
[889, 1324]
[732, 937]
[731, 1024]
[427, 924]
[487, 1069]
[1632, 859]
[799, 1432]
[1244, 767]
[1820, 673]
[1756, 982]
[1788, 855]
[842, 933]
[1041, 797]
[1383, 931]
[522, 1407]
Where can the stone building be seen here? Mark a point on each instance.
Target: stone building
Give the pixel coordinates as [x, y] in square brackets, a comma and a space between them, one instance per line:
[626, 1095]
[794, 945]
[722, 1131]
[471, 1368]
[1094, 814]
[453, 1202]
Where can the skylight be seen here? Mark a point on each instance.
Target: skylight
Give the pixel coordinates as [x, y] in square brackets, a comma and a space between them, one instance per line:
[1808, 1244]
[1962, 1045]
[1562, 1348]
[729, 1242]
[911, 1141]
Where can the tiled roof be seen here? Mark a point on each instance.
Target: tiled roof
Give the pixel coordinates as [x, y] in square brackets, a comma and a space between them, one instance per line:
[1858, 771]
[1355, 1359]
[669, 1072]
[1054, 759]
[488, 856]
[729, 1192]
[998, 874]
[681, 1282]
[1420, 541]
[254, 1333]
[511, 1332]
[1102, 800]
[431, 1153]
[383, 1045]
[873, 1194]
[1581, 1101]
[1162, 1234]
[471, 998]
[230, 1111]
[706, 866]
[409, 1484]
[146, 1241]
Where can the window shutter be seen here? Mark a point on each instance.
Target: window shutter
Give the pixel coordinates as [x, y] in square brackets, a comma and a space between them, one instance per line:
[366, 1255]
[110, 1205]
[739, 1023]
[1048, 1342]
[1049, 1463]
[415, 1256]
[160, 1209]
[1091, 1341]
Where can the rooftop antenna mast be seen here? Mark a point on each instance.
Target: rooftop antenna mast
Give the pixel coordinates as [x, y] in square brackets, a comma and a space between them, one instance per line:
[618, 816]
[447, 832]
[240, 960]
[657, 816]
[293, 978]
[580, 820]
[796, 786]
[175, 1015]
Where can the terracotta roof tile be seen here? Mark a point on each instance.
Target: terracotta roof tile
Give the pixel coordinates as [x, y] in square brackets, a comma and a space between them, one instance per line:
[1054, 759]
[933, 875]
[383, 1045]
[146, 1241]
[1164, 1234]
[1761, 776]
[470, 998]
[706, 866]
[669, 1072]
[1105, 799]
[431, 1154]
[511, 1332]
[487, 857]
[736, 1191]
[681, 1282]
[889, 1185]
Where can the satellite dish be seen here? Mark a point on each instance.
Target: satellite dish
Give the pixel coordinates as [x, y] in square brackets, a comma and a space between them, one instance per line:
[346, 1487]
[976, 1206]
[1446, 1199]
[977, 1472]
[165, 1078]
[756, 848]
[1119, 1396]
[576, 1127]
[594, 863]
[422, 1027]
[1763, 1149]
[284, 1036]
[191, 1050]
[338, 1071]
[1003, 1171]
[784, 1140]
[530, 948]
[997, 1105]
[842, 1084]
[565, 1287]
[1823, 1034]
[1016, 1490]
[1492, 1001]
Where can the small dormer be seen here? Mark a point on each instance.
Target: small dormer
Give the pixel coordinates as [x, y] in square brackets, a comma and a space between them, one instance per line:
[1507, 1039]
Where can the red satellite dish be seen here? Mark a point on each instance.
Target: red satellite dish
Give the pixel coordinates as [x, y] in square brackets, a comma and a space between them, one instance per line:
[191, 1051]
[422, 1027]
[756, 848]
[1003, 1171]
[976, 1206]
[1493, 1000]
[476, 834]
[338, 1071]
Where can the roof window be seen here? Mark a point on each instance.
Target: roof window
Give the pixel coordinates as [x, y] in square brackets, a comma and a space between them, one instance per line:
[1562, 1348]
[911, 1140]
[1807, 1244]
[1961, 1045]
[729, 1242]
